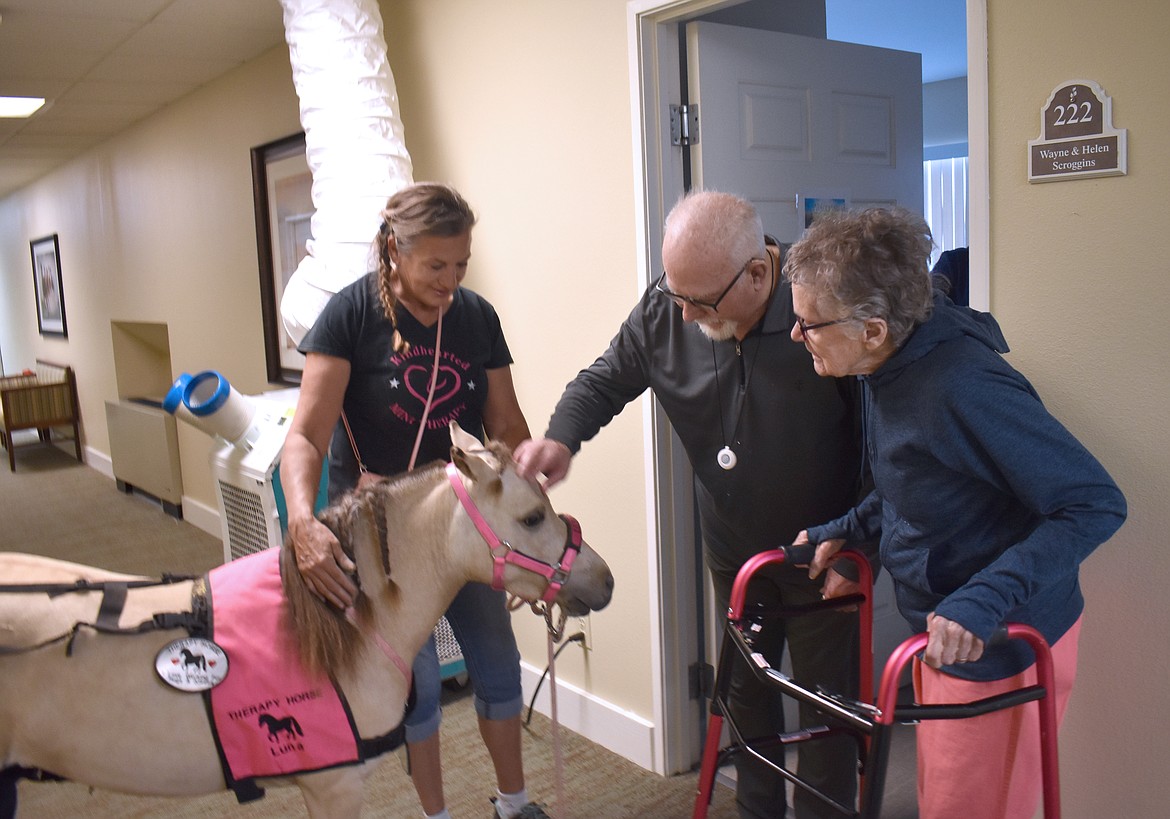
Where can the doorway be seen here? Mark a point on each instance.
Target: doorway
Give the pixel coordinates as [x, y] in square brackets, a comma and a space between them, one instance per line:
[655, 45]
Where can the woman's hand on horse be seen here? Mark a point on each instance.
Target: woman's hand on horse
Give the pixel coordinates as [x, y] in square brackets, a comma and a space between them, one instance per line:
[322, 562]
[537, 456]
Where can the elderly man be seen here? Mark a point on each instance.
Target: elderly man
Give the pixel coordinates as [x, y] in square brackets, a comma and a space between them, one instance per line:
[771, 445]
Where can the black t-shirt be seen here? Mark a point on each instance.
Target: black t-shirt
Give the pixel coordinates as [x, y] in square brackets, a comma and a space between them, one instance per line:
[387, 391]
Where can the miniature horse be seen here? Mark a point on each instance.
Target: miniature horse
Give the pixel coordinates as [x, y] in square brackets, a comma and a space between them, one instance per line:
[84, 704]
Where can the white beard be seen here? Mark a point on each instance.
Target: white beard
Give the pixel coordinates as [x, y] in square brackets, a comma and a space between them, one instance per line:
[718, 330]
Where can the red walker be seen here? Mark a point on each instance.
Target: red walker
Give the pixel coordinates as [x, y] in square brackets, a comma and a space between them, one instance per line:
[871, 725]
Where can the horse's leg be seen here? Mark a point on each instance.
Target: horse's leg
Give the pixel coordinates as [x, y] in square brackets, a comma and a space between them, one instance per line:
[334, 794]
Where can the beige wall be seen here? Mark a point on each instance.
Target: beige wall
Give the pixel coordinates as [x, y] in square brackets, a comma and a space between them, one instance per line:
[1079, 282]
[525, 107]
[155, 225]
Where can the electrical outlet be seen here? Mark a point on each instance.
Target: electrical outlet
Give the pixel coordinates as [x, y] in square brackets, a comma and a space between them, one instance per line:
[584, 625]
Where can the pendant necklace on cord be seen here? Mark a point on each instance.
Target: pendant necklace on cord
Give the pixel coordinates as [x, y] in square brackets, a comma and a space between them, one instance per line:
[726, 457]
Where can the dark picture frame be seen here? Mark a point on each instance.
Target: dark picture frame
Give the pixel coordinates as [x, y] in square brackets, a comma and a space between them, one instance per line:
[282, 194]
[50, 298]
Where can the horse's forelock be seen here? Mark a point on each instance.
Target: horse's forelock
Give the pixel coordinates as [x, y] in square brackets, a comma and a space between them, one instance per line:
[500, 452]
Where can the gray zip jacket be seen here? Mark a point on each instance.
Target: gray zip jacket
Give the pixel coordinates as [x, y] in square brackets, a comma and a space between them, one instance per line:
[794, 433]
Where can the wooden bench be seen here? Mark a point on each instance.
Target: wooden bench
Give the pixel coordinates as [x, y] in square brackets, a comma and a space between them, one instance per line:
[40, 400]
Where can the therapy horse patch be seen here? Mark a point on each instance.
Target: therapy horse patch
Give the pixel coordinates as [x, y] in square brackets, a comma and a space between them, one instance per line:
[270, 717]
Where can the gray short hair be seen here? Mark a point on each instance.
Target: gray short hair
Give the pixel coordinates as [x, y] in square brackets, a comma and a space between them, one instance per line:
[718, 219]
[875, 263]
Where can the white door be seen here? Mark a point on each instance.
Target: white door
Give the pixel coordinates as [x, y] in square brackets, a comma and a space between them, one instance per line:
[785, 119]
[789, 122]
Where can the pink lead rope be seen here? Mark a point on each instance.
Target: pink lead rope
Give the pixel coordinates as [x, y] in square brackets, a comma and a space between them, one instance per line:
[387, 649]
[503, 554]
[422, 425]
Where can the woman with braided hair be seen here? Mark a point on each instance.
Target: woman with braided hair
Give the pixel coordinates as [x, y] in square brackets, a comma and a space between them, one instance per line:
[391, 361]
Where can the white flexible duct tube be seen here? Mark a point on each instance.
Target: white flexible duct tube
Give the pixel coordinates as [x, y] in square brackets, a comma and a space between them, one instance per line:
[353, 140]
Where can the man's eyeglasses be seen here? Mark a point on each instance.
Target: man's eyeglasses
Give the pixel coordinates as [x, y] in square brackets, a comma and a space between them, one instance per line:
[804, 327]
[713, 306]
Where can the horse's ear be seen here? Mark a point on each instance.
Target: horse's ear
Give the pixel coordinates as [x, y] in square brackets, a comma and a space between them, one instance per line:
[470, 458]
[462, 439]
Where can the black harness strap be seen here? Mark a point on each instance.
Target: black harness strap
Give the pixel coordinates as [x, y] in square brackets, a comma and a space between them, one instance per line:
[114, 593]
[384, 744]
[113, 601]
[10, 776]
[82, 585]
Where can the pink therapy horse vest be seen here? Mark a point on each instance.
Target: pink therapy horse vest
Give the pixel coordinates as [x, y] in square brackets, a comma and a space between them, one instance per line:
[269, 715]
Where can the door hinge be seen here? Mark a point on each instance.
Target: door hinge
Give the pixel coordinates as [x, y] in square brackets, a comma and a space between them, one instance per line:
[701, 680]
[684, 124]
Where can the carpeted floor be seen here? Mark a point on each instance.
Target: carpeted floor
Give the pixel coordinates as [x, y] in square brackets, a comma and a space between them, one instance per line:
[597, 784]
[52, 505]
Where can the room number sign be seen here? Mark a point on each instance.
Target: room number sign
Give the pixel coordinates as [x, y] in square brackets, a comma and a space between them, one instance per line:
[1077, 138]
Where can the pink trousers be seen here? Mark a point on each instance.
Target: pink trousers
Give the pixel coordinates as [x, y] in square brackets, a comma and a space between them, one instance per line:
[986, 767]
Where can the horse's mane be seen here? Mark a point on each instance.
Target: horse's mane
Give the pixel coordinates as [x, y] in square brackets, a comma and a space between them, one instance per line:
[326, 639]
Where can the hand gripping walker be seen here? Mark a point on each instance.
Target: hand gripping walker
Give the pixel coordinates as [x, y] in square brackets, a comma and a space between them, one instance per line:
[870, 725]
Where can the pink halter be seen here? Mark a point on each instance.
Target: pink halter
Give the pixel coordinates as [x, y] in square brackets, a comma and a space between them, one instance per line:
[503, 553]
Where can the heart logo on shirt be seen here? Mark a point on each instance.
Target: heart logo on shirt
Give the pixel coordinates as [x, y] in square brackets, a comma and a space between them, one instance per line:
[418, 382]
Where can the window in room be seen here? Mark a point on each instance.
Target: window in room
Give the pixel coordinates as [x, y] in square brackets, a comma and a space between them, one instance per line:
[945, 202]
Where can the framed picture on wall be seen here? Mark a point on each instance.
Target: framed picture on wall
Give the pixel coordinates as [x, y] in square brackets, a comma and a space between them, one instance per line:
[808, 205]
[282, 192]
[46, 263]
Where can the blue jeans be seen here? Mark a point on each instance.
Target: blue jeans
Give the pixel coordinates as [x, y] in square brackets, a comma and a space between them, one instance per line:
[483, 626]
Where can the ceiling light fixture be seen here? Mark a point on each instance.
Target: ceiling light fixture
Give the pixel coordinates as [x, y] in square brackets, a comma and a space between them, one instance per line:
[20, 106]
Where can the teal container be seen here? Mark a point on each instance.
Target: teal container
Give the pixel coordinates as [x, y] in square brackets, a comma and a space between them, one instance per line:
[282, 507]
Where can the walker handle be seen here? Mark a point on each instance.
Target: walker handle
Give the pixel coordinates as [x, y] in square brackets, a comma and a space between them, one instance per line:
[1046, 683]
[998, 637]
[799, 554]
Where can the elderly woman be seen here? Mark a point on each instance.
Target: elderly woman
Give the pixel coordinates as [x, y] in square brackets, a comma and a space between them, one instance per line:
[984, 503]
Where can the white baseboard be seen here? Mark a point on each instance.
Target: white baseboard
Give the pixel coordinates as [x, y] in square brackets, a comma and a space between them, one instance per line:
[621, 731]
[202, 516]
[99, 461]
[199, 515]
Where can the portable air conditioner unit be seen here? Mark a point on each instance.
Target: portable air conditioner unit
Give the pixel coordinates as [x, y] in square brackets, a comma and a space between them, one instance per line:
[245, 478]
[249, 433]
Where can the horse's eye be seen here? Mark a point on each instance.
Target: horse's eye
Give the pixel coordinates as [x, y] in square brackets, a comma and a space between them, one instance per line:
[533, 520]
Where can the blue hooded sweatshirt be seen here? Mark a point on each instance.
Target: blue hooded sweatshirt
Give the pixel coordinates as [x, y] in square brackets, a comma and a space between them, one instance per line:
[985, 504]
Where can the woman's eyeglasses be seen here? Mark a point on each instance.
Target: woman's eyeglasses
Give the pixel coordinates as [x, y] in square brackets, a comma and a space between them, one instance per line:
[804, 328]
